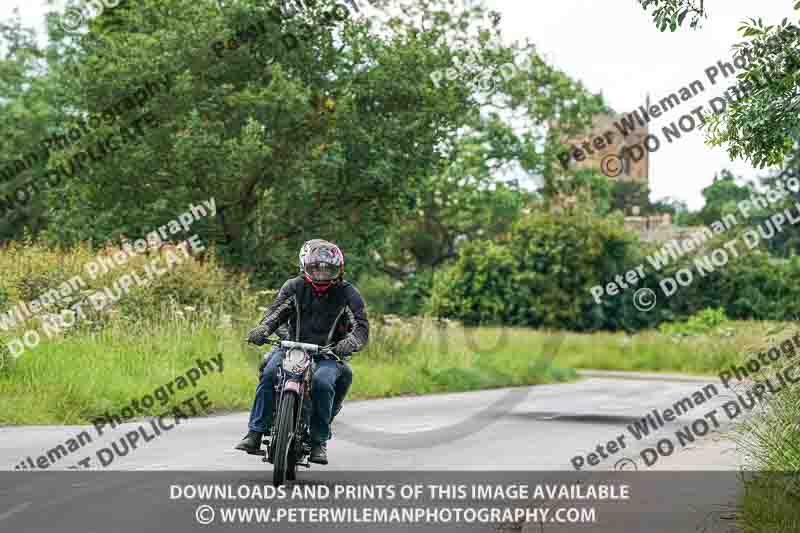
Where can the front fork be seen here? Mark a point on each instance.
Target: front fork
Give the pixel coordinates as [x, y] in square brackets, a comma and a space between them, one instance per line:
[302, 423]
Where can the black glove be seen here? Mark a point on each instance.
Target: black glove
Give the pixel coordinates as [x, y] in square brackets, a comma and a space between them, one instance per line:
[343, 348]
[329, 352]
[324, 352]
[258, 335]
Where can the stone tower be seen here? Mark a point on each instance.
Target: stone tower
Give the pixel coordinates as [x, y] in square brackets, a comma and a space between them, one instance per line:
[621, 157]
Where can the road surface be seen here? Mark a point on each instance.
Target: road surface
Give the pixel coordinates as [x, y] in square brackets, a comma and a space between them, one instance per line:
[548, 426]
[541, 428]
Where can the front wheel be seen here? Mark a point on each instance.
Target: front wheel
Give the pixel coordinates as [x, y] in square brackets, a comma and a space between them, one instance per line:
[283, 441]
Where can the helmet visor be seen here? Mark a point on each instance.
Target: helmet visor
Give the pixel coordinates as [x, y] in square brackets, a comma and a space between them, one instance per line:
[321, 272]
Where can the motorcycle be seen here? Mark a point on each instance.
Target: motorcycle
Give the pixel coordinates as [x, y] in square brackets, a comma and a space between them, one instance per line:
[289, 445]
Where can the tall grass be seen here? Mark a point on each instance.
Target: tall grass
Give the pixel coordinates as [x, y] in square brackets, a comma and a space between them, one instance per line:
[74, 379]
[770, 439]
[706, 353]
[423, 356]
[196, 311]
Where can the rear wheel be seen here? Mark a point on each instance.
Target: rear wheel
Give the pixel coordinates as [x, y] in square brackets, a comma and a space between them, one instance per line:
[285, 465]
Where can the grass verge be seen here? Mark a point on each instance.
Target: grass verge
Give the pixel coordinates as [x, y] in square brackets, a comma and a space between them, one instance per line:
[703, 353]
[73, 379]
[770, 439]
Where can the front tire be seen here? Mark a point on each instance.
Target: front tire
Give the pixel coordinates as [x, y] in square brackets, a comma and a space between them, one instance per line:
[284, 464]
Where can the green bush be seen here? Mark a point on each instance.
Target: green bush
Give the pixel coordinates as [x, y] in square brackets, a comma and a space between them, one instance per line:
[380, 294]
[191, 285]
[752, 286]
[415, 296]
[541, 276]
[698, 324]
[758, 286]
[385, 295]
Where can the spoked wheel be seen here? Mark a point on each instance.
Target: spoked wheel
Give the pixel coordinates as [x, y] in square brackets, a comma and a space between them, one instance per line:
[285, 465]
[291, 459]
[291, 467]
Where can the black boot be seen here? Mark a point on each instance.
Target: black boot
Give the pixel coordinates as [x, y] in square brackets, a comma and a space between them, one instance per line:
[319, 454]
[251, 443]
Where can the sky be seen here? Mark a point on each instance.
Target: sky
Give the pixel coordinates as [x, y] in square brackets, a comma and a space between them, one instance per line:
[613, 47]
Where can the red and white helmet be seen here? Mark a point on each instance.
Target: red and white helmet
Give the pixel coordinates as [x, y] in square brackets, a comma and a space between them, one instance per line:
[322, 264]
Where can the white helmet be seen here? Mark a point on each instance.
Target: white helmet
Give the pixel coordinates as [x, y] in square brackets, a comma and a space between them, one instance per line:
[322, 264]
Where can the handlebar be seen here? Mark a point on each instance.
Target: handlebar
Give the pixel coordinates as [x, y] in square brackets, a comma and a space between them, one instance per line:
[313, 349]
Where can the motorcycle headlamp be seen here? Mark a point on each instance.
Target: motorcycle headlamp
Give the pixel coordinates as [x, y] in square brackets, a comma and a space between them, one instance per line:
[296, 361]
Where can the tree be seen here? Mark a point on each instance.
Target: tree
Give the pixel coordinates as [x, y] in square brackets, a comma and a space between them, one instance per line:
[29, 111]
[452, 209]
[721, 198]
[625, 193]
[676, 207]
[281, 137]
[353, 134]
[786, 242]
[672, 13]
[764, 124]
[473, 191]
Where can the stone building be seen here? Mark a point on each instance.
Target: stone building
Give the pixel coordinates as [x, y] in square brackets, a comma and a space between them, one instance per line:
[614, 146]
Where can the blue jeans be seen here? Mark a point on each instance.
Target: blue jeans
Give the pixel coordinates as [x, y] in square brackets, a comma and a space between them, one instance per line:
[329, 386]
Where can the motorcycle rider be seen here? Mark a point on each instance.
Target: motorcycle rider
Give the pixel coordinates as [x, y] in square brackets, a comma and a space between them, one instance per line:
[318, 307]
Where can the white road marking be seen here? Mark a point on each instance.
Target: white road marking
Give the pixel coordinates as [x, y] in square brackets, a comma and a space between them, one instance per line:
[14, 510]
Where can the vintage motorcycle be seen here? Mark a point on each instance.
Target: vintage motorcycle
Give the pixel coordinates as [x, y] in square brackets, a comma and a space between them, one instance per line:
[289, 445]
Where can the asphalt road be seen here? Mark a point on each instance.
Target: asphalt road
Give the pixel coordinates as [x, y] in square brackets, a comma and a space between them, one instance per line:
[539, 428]
[534, 428]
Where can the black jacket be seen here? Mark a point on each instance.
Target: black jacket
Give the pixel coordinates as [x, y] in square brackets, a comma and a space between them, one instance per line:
[337, 316]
